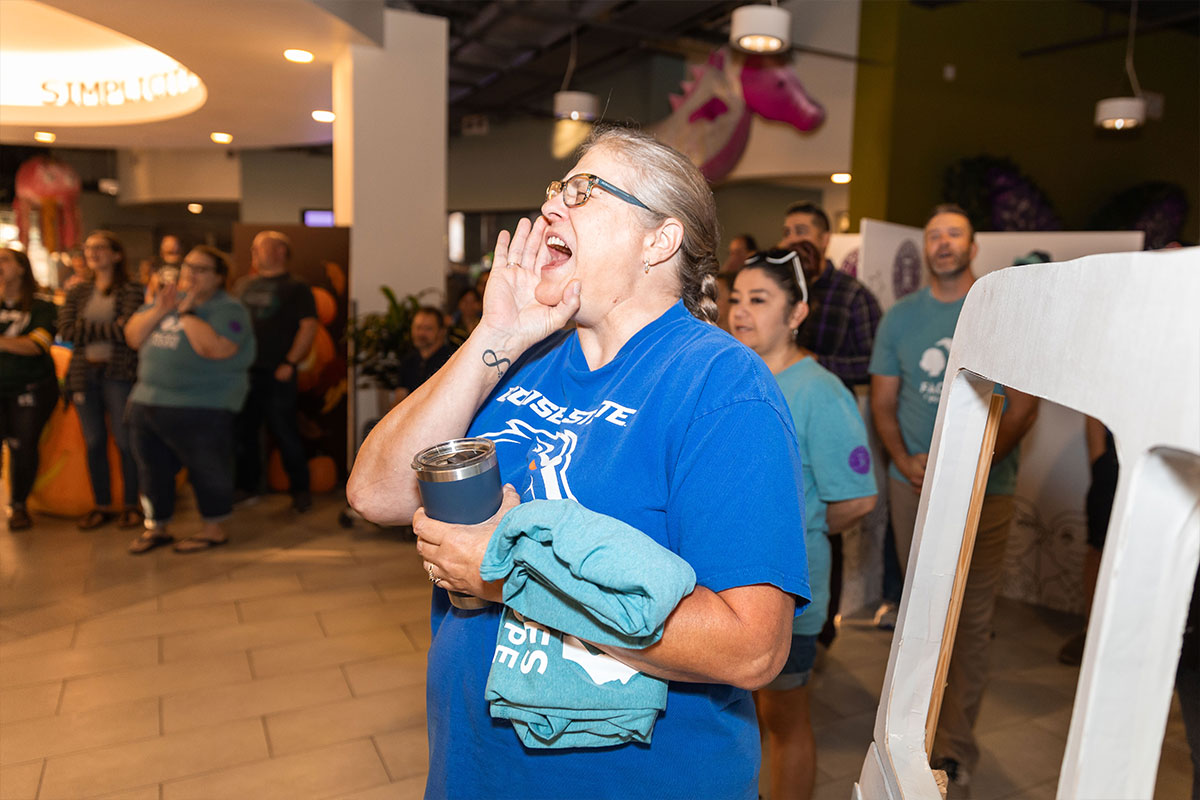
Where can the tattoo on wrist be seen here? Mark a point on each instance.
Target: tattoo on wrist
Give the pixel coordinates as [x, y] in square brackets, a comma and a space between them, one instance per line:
[501, 364]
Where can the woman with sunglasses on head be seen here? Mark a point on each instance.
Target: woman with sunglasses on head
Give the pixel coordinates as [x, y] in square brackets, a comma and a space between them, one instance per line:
[101, 373]
[28, 385]
[769, 305]
[641, 413]
[196, 345]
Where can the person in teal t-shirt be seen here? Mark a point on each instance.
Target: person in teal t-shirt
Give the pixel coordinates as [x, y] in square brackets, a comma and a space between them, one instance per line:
[769, 304]
[195, 346]
[908, 364]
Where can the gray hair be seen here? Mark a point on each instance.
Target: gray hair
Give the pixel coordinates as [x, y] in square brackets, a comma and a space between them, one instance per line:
[670, 184]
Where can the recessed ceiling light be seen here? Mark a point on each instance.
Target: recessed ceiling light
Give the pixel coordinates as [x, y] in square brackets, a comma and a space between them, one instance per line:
[195, 208]
[324, 116]
[221, 138]
[840, 177]
[44, 136]
[298, 56]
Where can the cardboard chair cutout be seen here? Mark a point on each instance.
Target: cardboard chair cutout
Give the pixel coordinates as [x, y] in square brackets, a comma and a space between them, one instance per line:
[1116, 337]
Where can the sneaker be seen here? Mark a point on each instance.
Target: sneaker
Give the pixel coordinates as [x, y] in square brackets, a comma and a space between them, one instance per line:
[885, 616]
[19, 519]
[1071, 653]
[958, 780]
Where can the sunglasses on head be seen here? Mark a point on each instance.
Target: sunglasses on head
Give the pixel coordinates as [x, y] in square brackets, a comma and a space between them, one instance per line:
[780, 256]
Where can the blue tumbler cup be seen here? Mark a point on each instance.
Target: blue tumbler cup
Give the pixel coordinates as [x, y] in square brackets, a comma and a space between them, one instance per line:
[459, 481]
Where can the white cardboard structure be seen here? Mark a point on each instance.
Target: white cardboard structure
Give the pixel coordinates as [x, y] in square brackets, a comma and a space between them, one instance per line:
[1046, 548]
[1082, 334]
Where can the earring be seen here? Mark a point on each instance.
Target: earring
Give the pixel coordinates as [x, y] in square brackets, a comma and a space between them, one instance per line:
[646, 264]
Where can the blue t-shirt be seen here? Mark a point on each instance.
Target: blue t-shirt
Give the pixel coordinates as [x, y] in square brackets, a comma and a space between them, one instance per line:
[171, 373]
[685, 436]
[913, 342]
[837, 466]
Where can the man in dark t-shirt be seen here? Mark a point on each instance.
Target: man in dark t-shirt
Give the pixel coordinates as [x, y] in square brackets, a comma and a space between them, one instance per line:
[285, 321]
[429, 352]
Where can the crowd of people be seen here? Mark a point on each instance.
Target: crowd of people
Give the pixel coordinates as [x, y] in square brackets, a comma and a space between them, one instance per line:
[174, 368]
[593, 356]
[624, 251]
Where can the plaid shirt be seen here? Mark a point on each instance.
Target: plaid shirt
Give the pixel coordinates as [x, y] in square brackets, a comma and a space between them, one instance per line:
[841, 325]
[73, 329]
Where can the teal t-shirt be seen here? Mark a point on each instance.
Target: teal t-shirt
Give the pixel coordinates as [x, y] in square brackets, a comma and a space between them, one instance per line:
[171, 373]
[836, 466]
[913, 343]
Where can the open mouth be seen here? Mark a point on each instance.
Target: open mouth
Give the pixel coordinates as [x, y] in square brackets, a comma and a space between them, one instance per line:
[558, 245]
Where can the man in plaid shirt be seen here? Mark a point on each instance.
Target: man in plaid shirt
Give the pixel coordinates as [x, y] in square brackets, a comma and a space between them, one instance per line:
[844, 314]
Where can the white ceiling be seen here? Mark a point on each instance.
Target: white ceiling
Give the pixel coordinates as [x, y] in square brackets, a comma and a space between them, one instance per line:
[234, 46]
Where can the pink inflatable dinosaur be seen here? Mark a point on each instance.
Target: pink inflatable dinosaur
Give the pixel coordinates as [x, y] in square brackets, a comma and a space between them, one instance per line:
[711, 120]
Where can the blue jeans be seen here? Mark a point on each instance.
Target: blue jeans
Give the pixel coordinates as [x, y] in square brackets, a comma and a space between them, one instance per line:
[102, 395]
[201, 439]
[273, 402]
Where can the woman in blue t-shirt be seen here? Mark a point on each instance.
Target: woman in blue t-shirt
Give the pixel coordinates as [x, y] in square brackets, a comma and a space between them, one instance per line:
[195, 345]
[768, 307]
[644, 412]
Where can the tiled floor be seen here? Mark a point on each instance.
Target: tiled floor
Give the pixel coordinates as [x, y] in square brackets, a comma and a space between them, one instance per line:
[290, 665]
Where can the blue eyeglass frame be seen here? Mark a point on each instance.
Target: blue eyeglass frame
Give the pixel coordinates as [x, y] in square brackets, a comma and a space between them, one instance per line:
[593, 181]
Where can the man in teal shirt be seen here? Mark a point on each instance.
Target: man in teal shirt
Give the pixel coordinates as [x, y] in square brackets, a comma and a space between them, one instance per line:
[908, 364]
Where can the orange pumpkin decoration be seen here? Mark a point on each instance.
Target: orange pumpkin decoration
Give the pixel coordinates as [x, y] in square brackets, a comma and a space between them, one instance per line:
[326, 305]
[62, 486]
[322, 473]
[321, 353]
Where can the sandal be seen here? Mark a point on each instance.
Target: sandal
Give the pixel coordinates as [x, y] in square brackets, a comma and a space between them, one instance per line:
[131, 518]
[148, 541]
[94, 519]
[195, 544]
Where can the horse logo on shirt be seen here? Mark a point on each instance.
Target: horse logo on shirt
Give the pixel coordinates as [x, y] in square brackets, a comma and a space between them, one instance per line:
[547, 459]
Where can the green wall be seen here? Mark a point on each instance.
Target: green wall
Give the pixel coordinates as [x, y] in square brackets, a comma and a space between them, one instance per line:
[1035, 110]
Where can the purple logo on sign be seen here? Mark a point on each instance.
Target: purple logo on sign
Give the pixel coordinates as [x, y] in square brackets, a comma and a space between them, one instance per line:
[860, 460]
[235, 326]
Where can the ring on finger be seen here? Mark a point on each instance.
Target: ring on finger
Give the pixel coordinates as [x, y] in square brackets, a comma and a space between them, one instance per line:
[432, 578]
[514, 264]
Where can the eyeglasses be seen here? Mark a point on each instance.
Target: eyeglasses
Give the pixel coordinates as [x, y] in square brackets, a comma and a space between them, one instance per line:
[199, 268]
[577, 190]
[790, 257]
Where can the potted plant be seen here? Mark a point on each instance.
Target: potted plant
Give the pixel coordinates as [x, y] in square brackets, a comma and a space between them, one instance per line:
[379, 341]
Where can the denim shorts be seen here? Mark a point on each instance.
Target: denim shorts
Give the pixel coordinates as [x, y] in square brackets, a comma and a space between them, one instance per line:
[799, 666]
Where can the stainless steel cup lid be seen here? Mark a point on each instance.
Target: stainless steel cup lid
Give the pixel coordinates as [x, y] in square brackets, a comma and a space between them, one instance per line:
[455, 460]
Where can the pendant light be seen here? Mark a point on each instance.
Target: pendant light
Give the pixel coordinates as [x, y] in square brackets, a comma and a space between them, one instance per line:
[1124, 113]
[760, 29]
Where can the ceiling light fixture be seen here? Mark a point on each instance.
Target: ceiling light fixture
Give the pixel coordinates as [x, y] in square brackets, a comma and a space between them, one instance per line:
[583, 106]
[1124, 113]
[45, 137]
[760, 29]
[195, 208]
[574, 113]
[221, 138]
[840, 177]
[324, 116]
[298, 56]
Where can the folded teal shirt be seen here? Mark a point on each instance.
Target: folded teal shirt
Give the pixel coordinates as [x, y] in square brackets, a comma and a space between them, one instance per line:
[581, 575]
[585, 573]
